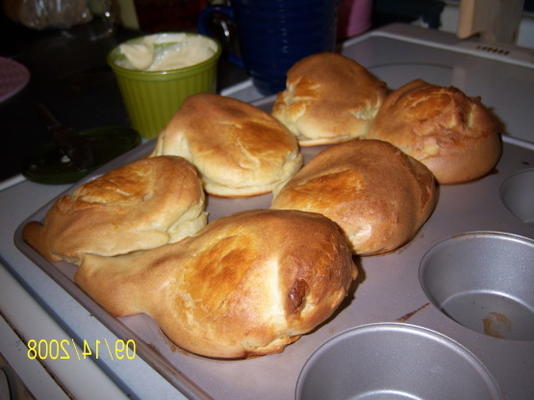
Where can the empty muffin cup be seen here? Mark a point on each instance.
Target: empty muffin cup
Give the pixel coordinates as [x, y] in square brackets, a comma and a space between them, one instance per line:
[483, 281]
[394, 361]
[517, 194]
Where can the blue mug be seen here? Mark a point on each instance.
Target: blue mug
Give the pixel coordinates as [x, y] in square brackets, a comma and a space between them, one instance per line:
[274, 34]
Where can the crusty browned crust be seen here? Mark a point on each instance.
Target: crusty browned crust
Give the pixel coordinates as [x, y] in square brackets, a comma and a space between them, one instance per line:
[239, 149]
[379, 196]
[245, 285]
[328, 99]
[454, 135]
[144, 204]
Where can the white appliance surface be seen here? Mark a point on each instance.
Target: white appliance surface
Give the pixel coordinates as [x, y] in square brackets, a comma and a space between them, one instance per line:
[396, 54]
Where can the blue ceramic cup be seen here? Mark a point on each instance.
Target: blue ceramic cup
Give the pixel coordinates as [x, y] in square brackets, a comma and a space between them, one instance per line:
[275, 34]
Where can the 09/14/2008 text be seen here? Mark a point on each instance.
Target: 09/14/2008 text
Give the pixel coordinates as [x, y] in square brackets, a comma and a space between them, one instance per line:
[65, 349]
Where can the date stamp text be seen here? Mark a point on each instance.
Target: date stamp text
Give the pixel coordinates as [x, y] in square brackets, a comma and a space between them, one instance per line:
[65, 349]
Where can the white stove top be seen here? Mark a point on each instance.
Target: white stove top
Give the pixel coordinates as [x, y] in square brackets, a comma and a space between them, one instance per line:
[396, 54]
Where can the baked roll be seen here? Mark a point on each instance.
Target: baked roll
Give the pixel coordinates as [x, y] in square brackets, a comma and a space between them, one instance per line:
[454, 135]
[246, 285]
[328, 99]
[379, 196]
[239, 149]
[145, 204]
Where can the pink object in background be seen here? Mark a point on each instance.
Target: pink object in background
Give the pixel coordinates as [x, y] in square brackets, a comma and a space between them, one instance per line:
[354, 17]
[13, 78]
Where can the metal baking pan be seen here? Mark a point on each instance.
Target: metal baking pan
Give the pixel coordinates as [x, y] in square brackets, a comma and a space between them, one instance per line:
[467, 277]
[487, 242]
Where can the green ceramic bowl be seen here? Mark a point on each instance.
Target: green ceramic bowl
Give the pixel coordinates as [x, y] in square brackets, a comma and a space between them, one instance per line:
[152, 97]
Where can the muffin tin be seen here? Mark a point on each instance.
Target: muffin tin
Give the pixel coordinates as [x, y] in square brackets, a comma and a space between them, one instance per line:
[449, 315]
[470, 291]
